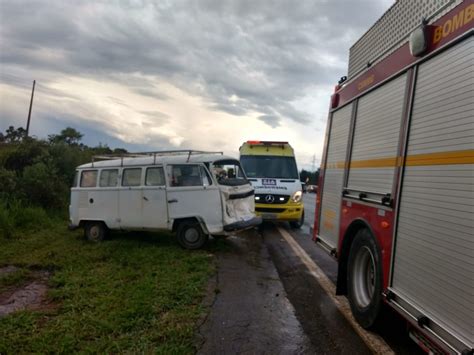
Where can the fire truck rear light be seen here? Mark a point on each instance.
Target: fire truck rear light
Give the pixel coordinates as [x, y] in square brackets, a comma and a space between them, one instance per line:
[384, 224]
[345, 210]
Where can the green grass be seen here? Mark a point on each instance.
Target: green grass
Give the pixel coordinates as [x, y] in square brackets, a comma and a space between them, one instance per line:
[132, 293]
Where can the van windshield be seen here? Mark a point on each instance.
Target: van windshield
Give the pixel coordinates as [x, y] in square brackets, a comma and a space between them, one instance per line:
[269, 166]
[229, 172]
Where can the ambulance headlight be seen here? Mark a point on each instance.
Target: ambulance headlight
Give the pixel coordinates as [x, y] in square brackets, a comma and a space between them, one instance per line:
[296, 197]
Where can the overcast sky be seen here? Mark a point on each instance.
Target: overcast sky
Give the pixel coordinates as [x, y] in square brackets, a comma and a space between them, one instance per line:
[151, 75]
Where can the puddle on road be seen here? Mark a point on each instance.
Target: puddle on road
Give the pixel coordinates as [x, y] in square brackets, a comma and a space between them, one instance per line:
[30, 295]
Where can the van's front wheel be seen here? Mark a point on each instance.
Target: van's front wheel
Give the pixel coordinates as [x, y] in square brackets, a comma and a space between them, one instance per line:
[190, 235]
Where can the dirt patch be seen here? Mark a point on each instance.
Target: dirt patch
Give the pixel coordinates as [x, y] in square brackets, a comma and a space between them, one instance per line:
[31, 295]
[10, 269]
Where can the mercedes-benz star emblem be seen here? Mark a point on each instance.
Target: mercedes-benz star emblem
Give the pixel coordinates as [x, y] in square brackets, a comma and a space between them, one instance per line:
[269, 199]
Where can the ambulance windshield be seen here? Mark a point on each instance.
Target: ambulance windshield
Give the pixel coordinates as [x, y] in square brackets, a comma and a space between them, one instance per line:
[266, 166]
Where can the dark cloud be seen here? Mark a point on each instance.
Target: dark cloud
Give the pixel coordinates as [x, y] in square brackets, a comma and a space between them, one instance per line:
[241, 56]
[272, 121]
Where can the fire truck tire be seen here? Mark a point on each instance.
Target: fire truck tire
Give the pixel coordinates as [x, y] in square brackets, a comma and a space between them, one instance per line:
[364, 279]
[190, 235]
[298, 224]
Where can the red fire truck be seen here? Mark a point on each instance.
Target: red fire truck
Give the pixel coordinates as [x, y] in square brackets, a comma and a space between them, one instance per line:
[395, 203]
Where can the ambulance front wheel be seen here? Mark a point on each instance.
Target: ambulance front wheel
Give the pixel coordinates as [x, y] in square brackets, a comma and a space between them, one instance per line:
[364, 279]
[190, 235]
[298, 224]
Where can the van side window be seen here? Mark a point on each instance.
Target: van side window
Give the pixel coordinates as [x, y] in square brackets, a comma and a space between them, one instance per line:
[206, 179]
[108, 178]
[132, 177]
[155, 177]
[185, 175]
[89, 178]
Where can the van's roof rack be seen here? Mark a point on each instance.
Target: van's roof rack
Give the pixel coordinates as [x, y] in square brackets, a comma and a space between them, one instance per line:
[153, 154]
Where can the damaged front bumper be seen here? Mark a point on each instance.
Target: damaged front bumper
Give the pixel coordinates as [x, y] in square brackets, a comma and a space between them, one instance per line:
[241, 225]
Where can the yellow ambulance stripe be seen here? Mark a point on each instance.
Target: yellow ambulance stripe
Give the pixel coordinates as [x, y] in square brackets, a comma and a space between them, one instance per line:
[443, 158]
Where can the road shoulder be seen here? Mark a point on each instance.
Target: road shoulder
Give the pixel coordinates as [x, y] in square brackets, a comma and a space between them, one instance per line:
[250, 312]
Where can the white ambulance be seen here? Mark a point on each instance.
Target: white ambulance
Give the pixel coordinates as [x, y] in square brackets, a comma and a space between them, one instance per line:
[194, 193]
[271, 168]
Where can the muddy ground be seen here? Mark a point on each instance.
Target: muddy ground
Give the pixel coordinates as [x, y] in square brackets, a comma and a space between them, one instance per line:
[27, 294]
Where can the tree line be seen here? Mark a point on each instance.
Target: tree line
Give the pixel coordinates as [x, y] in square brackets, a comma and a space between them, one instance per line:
[39, 172]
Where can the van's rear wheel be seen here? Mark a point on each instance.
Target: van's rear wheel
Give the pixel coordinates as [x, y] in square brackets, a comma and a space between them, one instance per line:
[190, 235]
[364, 279]
[95, 231]
[298, 224]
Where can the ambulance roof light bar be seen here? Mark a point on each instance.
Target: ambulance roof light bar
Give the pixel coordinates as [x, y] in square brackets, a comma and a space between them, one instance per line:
[266, 143]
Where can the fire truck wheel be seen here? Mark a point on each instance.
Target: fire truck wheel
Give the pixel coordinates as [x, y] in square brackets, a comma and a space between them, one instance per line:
[190, 235]
[95, 231]
[298, 224]
[364, 279]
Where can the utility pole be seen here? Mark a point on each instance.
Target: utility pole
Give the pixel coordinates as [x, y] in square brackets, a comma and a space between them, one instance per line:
[31, 106]
[313, 166]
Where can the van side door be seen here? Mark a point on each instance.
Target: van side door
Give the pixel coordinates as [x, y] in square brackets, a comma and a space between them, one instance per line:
[192, 193]
[155, 207]
[130, 199]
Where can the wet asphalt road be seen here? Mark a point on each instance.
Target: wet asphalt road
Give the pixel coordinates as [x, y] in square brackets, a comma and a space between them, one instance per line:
[250, 313]
[265, 301]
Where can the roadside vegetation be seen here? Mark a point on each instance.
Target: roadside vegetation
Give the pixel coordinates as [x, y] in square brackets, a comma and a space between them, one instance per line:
[135, 292]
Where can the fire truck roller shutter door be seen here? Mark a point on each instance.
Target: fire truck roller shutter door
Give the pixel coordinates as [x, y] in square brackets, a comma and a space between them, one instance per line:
[334, 176]
[434, 248]
[376, 136]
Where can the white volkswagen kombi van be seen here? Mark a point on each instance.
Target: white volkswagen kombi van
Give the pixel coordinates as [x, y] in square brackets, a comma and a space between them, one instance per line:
[193, 193]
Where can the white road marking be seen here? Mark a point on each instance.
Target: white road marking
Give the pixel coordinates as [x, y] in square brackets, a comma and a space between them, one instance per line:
[373, 341]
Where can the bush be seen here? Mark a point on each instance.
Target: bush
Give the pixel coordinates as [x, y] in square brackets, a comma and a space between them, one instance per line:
[25, 154]
[38, 172]
[15, 216]
[43, 187]
[28, 217]
[6, 225]
[7, 184]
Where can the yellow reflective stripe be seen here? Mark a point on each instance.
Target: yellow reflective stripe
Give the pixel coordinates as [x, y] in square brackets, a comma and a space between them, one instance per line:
[442, 158]
[375, 163]
[336, 165]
